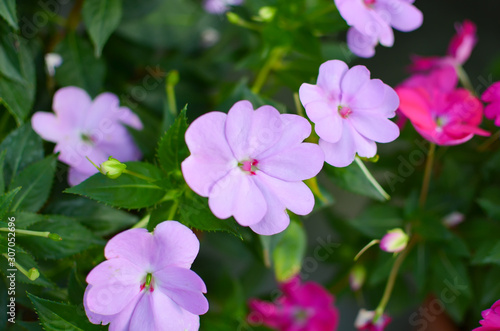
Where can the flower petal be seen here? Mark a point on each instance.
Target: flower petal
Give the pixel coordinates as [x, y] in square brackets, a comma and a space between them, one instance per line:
[48, 126]
[360, 44]
[330, 75]
[376, 128]
[201, 172]
[170, 316]
[134, 245]
[75, 177]
[403, 15]
[309, 93]
[184, 287]
[174, 245]
[70, 104]
[301, 162]
[276, 218]
[353, 82]
[236, 194]
[329, 126]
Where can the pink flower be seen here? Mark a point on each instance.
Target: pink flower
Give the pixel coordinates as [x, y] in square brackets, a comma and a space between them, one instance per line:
[146, 282]
[301, 307]
[84, 128]
[394, 241]
[442, 118]
[491, 318]
[250, 164]
[364, 321]
[350, 111]
[220, 6]
[492, 96]
[372, 21]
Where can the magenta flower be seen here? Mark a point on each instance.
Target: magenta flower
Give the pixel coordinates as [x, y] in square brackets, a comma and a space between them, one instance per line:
[462, 44]
[84, 128]
[442, 118]
[364, 321]
[372, 21]
[146, 282]
[250, 164]
[491, 318]
[492, 97]
[350, 112]
[220, 6]
[301, 307]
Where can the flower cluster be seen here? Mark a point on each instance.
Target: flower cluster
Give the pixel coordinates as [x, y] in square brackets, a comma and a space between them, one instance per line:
[371, 22]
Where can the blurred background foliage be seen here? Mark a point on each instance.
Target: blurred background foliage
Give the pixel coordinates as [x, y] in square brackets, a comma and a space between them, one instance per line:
[262, 51]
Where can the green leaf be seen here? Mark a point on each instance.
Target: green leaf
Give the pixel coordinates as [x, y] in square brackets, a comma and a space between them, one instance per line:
[6, 201]
[10, 64]
[8, 12]
[491, 208]
[172, 149]
[102, 220]
[56, 316]
[376, 220]
[352, 179]
[36, 182]
[289, 252]
[23, 146]
[101, 17]
[76, 287]
[487, 253]
[18, 96]
[75, 238]
[2, 179]
[126, 191]
[80, 67]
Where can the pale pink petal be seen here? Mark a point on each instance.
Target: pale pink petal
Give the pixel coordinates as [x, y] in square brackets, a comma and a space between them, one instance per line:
[295, 130]
[376, 128]
[75, 177]
[174, 245]
[341, 153]
[236, 194]
[364, 147]
[170, 316]
[378, 26]
[134, 245]
[370, 95]
[114, 283]
[329, 78]
[75, 151]
[295, 196]
[353, 81]
[309, 93]
[328, 127]
[112, 143]
[404, 16]
[184, 287]
[143, 317]
[250, 132]
[301, 162]
[94, 317]
[360, 44]
[201, 172]
[48, 126]
[121, 321]
[70, 105]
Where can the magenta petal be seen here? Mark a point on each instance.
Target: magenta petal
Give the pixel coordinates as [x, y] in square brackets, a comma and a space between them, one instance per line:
[360, 44]
[175, 245]
[295, 196]
[48, 126]
[250, 132]
[184, 287]
[114, 283]
[236, 194]
[295, 130]
[133, 245]
[329, 126]
[376, 128]
[329, 78]
[301, 162]
[170, 316]
[70, 104]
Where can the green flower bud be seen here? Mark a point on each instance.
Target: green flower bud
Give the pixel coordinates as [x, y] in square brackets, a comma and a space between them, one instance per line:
[112, 168]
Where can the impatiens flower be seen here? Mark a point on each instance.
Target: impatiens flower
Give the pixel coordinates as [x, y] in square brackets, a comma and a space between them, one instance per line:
[372, 21]
[84, 128]
[220, 6]
[364, 321]
[491, 318]
[301, 307]
[492, 97]
[462, 44]
[394, 241]
[146, 282]
[442, 118]
[251, 164]
[350, 112]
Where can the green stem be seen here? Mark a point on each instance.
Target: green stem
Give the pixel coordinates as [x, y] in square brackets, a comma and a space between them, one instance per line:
[138, 175]
[372, 180]
[364, 249]
[49, 235]
[392, 279]
[172, 80]
[32, 274]
[464, 79]
[427, 175]
[143, 222]
[493, 138]
[275, 57]
[173, 210]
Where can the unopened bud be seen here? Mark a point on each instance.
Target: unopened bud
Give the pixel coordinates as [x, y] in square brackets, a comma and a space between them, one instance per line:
[112, 168]
[394, 241]
[357, 277]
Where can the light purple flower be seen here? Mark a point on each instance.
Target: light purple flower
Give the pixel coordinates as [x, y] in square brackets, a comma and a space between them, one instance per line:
[220, 6]
[372, 21]
[146, 282]
[84, 128]
[350, 111]
[250, 164]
